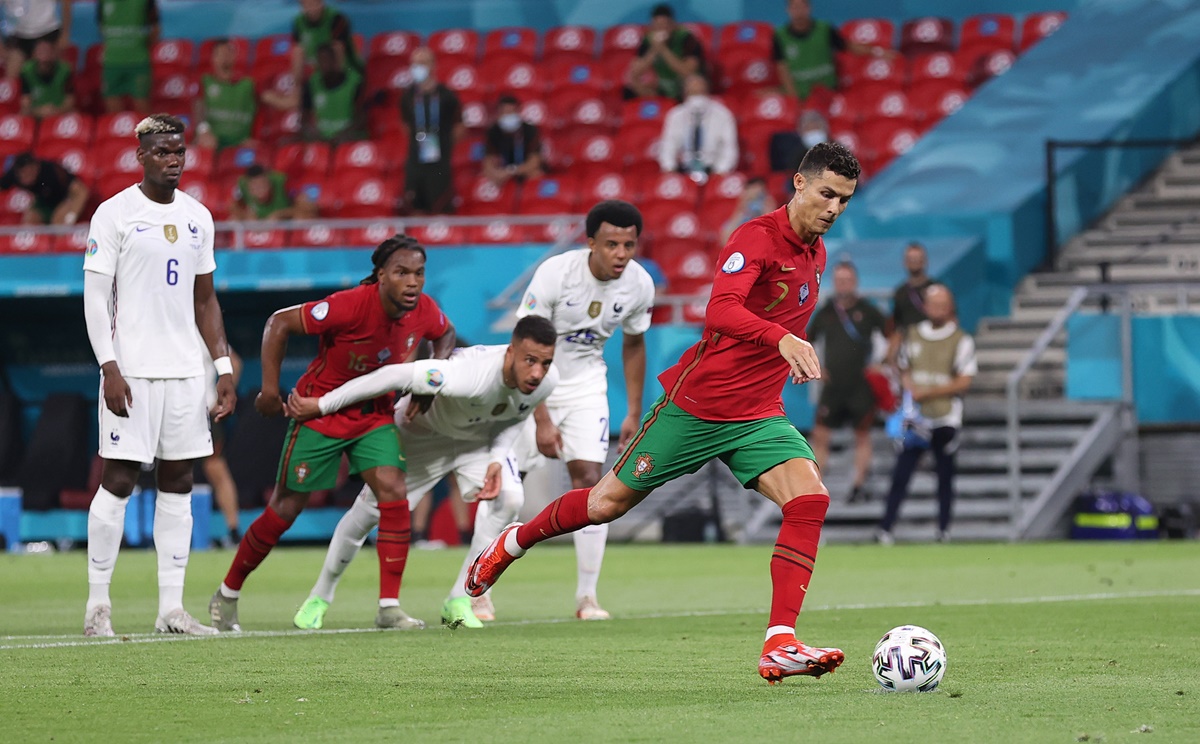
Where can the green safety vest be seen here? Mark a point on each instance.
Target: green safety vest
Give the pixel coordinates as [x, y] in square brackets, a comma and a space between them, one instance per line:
[809, 60]
[126, 34]
[230, 109]
[333, 108]
[669, 82]
[311, 37]
[43, 91]
[279, 198]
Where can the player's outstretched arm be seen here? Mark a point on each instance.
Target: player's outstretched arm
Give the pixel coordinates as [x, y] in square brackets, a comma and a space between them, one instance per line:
[280, 325]
[212, 330]
[402, 378]
[441, 348]
[97, 288]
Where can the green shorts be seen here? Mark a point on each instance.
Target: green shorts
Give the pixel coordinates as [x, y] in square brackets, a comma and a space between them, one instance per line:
[672, 443]
[126, 80]
[310, 460]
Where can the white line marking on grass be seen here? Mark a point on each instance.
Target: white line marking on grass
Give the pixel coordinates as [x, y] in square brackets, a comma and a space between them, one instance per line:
[61, 641]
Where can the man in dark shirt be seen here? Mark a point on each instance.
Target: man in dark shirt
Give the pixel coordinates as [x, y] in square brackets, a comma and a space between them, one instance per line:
[908, 301]
[852, 329]
[58, 196]
[667, 55]
[804, 51]
[513, 146]
[434, 119]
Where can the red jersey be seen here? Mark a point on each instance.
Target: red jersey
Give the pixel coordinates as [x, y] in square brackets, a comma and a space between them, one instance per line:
[358, 337]
[765, 287]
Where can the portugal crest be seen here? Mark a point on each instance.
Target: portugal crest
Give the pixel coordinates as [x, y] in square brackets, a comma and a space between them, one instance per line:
[301, 472]
[170, 233]
[594, 309]
[642, 466]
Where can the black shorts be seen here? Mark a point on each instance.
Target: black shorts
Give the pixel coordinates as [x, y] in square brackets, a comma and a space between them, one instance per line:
[429, 187]
[846, 406]
[26, 45]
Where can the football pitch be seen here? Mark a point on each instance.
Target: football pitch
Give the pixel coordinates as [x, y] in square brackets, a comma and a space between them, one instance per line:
[1054, 642]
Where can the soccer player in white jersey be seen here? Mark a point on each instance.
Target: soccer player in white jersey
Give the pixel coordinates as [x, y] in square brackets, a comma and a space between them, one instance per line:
[148, 286]
[587, 294]
[484, 394]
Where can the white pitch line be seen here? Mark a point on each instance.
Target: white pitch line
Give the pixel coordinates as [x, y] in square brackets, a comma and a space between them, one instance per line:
[61, 641]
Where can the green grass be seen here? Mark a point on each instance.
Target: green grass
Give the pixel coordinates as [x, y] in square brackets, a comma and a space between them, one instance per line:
[1046, 642]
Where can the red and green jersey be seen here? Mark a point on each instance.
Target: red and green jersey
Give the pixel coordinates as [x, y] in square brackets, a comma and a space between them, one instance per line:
[765, 287]
[358, 337]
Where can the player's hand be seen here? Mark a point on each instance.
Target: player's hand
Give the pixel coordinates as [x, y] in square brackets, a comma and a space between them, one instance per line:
[417, 405]
[226, 398]
[117, 395]
[629, 427]
[801, 357]
[491, 482]
[302, 409]
[549, 440]
[269, 403]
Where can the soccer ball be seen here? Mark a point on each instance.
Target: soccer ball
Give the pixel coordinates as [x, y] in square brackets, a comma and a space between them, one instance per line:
[909, 658]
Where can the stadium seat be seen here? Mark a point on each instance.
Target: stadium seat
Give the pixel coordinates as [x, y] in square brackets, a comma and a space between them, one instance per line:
[601, 186]
[117, 157]
[535, 112]
[264, 239]
[517, 42]
[719, 200]
[567, 45]
[932, 100]
[75, 157]
[688, 259]
[767, 107]
[462, 77]
[268, 50]
[74, 128]
[622, 40]
[439, 233]
[640, 142]
[1038, 26]
[703, 32]
[755, 36]
[486, 198]
[755, 143]
[592, 149]
[929, 34]
[94, 56]
[885, 139]
[645, 110]
[877, 71]
[235, 160]
[298, 158]
[73, 242]
[669, 220]
[467, 155]
[591, 116]
[384, 121]
[174, 93]
[870, 31]
[272, 126]
[199, 161]
[693, 312]
[398, 45]
[849, 139]
[675, 188]
[26, 242]
[241, 55]
[614, 66]
[13, 204]
[987, 65]
[937, 66]
[388, 75]
[171, 56]
[744, 68]
[890, 105]
[365, 158]
[988, 32]
[578, 75]
[522, 79]
[10, 96]
[117, 126]
[454, 46]
[371, 235]
[109, 185]
[370, 197]
[476, 114]
[548, 195]
[497, 231]
[16, 133]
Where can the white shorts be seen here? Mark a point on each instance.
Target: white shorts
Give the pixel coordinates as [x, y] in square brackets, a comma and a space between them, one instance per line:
[585, 431]
[432, 458]
[168, 420]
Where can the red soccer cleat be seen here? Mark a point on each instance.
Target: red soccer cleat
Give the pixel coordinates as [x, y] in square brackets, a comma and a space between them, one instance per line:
[490, 564]
[790, 657]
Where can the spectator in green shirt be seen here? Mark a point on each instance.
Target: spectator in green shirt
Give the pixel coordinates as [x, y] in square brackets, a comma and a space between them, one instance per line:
[667, 55]
[263, 195]
[29, 21]
[227, 104]
[128, 28]
[332, 100]
[47, 83]
[319, 24]
[804, 51]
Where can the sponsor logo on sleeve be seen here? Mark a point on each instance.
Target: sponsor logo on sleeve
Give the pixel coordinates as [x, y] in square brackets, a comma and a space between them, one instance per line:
[434, 378]
[319, 310]
[92, 247]
[530, 301]
[734, 263]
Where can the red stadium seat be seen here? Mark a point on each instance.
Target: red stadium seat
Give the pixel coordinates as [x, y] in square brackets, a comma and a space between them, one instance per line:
[94, 56]
[752, 35]
[684, 259]
[988, 31]
[577, 74]
[937, 66]
[72, 242]
[75, 157]
[755, 143]
[987, 65]
[241, 54]
[497, 231]
[670, 220]
[485, 198]
[870, 31]
[387, 75]
[199, 161]
[514, 43]
[455, 45]
[118, 126]
[569, 45]
[110, 185]
[891, 105]
[462, 77]
[593, 149]
[744, 69]
[535, 112]
[645, 110]
[675, 188]
[371, 235]
[16, 133]
[303, 157]
[13, 204]
[468, 154]
[271, 125]
[235, 160]
[26, 242]
[602, 186]
[174, 93]
[264, 239]
[622, 40]
[359, 197]
[640, 141]
[591, 116]
[929, 34]
[365, 157]
[274, 47]
[933, 100]
[614, 66]
[10, 96]
[548, 195]
[393, 45]
[170, 56]
[115, 157]
[849, 139]
[439, 232]
[74, 128]
[703, 32]
[720, 199]
[1038, 26]
[522, 79]
[768, 107]
[476, 114]
[843, 111]
[318, 236]
[886, 139]
[879, 71]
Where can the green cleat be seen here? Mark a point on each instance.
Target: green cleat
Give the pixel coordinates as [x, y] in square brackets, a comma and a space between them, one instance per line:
[311, 615]
[457, 613]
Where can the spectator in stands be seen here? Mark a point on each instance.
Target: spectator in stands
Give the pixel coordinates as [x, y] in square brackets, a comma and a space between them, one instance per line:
[129, 29]
[937, 363]
[908, 301]
[804, 51]
[787, 149]
[699, 135]
[433, 116]
[47, 83]
[667, 55]
[753, 202]
[58, 196]
[227, 103]
[332, 100]
[318, 24]
[513, 146]
[263, 195]
[31, 21]
[852, 329]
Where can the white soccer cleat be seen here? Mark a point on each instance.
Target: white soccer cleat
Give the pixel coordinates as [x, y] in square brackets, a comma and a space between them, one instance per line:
[590, 609]
[179, 621]
[97, 623]
[483, 608]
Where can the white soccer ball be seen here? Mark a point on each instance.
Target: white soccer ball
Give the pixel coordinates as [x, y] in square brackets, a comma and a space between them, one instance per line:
[909, 659]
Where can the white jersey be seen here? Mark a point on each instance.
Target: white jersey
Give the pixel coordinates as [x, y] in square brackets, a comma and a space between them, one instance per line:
[31, 19]
[154, 252]
[585, 312]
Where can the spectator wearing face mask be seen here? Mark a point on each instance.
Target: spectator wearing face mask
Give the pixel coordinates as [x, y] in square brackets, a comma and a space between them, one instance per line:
[699, 135]
[788, 148]
[513, 146]
[433, 115]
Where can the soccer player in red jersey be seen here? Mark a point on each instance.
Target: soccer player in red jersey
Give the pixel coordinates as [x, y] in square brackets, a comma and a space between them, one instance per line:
[380, 322]
[723, 399]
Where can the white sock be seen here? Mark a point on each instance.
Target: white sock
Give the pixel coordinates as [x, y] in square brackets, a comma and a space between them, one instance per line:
[490, 520]
[228, 593]
[173, 543]
[775, 630]
[106, 525]
[388, 602]
[589, 554]
[352, 530]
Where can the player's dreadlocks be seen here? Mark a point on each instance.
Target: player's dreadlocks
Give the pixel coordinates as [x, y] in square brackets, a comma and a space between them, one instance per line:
[398, 242]
[831, 156]
[159, 124]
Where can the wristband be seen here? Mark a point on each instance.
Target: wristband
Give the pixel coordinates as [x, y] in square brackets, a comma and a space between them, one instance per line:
[223, 366]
